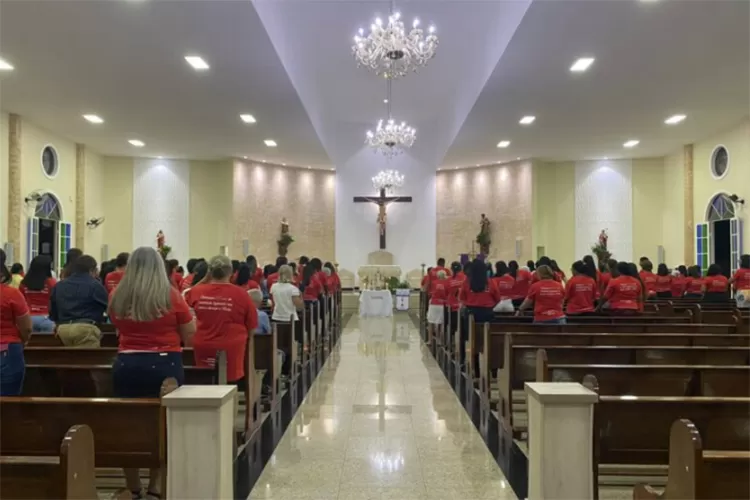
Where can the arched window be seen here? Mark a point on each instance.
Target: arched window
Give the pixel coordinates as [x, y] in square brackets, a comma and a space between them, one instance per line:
[48, 208]
[721, 208]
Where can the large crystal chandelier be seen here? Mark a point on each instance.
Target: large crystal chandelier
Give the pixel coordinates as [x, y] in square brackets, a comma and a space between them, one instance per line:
[388, 180]
[390, 51]
[391, 138]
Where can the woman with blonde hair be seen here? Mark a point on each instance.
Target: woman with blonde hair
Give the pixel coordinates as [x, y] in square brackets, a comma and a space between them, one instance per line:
[285, 296]
[152, 319]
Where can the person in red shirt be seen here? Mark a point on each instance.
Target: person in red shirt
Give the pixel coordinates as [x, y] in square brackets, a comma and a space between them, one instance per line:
[694, 284]
[546, 295]
[311, 286]
[679, 282]
[455, 283]
[581, 291]
[152, 320]
[741, 278]
[244, 280]
[274, 276]
[256, 273]
[15, 331]
[333, 281]
[440, 267]
[226, 317]
[479, 293]
[648, 277]
[187, 281]
[715, 285]
[35, 288]
[113, 278]
[609, 272]
[504, 283]
[521, 284]
[559, 273]
[545, 261]
[625, 294]
[439, 289]
[663, 282]
[175, 278]
[426, 280]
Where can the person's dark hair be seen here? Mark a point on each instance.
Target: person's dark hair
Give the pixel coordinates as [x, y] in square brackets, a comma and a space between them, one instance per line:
[316, 263]
[307, 274]
[429, 269]
[191, 265]
[4, 273]
[554, 266]
[170, 266]
[243, 275]
[16, 268]
[441, 262]
[531, 265]
[40, 270]
[122, 259]
[585, 268]
[662, 270]
[545, 272]
[589, 261]
[578, 267]
[252, 263]
[330, 266]
[501, 268]
[647, 265]
[467, 267]
[455, 267]
[84, 264]
[180, 270]
[513, 268]
[614, 270]
[107, 267]
[293, 265]
[635, 274]
[70, 260]
[478, 281]
[235, 265]
[714, 270]
[695, 271]
[199, 272]
[683, 270]
[633, 269]
[281, 261]
[544, 261]
[175, 262]
[623, 269]
[304, 260]
[745, 261]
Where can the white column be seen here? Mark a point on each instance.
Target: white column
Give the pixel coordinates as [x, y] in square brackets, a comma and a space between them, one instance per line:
[561, 416]
[200, 449]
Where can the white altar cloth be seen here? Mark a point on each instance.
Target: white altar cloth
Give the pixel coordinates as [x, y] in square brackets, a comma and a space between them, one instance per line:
[378, 303]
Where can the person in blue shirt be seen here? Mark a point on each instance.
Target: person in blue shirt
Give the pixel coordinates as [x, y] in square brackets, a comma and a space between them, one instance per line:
[264, 323]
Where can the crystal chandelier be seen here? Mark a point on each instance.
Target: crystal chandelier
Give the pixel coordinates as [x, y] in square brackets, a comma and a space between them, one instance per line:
[391, 138]
[388, 180]
[390, 51]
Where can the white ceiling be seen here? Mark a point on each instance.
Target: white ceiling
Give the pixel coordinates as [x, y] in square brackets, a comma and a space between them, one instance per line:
[289, 64]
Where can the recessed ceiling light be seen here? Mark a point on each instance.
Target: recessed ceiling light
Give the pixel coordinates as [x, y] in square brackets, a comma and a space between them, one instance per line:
[160, 157]
[631, 143]
[270, 143]
[247, 118]
[582, 64]
[518, 158]
[308, 168]
[137, 143]
[284, 165]
[333, 169]
[675, 119]
[385, 101]
[93, 118]
[5, 65]
[244, 157]
[527, 120]
[606, 157]
[197, 63]
[455, 168]
[503, 144]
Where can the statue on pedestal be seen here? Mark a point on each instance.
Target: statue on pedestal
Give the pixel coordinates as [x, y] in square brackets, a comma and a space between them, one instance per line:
[483, 238]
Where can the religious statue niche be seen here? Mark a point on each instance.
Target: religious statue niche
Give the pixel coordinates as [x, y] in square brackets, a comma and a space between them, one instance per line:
[285, 239]
[600, 248]
[484, 238]
[161, 245]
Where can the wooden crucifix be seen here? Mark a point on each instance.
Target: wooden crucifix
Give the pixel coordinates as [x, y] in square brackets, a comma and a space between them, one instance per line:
[382, 201]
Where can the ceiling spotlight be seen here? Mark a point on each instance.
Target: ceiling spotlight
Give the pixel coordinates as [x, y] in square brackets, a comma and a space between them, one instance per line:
[247, 118]
[270, 143]
[631, 143]
[385, 101]
[197, 63]
[160, 157]
[93, 119]
[675, 119]
[5, 65]
[582, 64]
[527, 120]
[137, 143]
[283, 164]
[518, 158]
[503, 144]
[455, 168]
[244, 157]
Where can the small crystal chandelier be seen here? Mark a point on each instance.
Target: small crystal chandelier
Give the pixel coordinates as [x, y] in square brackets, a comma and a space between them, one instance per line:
[388, 180]
[391, 138]
[390, 51]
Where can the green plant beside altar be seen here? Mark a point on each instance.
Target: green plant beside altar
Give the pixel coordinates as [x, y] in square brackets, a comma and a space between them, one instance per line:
[164, 251]
[394, 284]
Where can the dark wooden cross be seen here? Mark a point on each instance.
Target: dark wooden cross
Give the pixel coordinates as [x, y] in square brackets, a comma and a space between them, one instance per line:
[382, 201]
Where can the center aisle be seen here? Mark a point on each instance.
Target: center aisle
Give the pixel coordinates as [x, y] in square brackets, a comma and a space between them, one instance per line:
[381, 422]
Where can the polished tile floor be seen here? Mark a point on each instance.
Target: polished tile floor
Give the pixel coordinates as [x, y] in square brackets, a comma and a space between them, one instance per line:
[381, 422]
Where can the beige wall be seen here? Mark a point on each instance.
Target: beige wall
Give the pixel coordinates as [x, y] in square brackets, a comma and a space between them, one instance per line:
[554, 210]
[648, 202]
[263, 194]
[502, 192]
[3, 178]
[117, 193]
[93, 203]
[210, 207]
[673, 209]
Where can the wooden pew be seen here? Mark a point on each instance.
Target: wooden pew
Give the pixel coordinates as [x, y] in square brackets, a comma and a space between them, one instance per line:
[700, 469]
[41, 355]
[108, 339]
[67, 474]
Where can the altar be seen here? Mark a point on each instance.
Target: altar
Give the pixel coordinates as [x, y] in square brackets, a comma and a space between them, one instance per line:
[378, 271]
[375, 303]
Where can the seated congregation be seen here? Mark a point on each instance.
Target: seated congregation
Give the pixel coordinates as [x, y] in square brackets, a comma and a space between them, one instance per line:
[85, 355]
[667, 355]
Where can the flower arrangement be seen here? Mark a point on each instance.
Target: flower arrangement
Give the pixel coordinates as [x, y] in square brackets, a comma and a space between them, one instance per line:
[283, 243]
[164, 251]
[601, 252]
[395, 283]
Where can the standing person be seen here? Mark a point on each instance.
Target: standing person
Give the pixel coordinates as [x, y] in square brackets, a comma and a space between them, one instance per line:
[531, 265]
[479, 294]
[455, 283]
[715, 285]
[334, 282]
[70, 260]
[152, 320]
[226, 318]
[625, 293]
[244, 278]
[113, 278]
[589, 261]
[199, 274]
[274, 276]
[285, 296]
[694, 284]
[606, 277]
[256, 273]
[741, 278]
[505, 284]
[16, 275]
[187, 281]
[172, 272]
[521, 285]
[663, 283]
[439, 267]
[648, 277]
[581, 291]
[425, 284]
[546, 295]
[15, 331]
[36, 288]
[438, 299]
[77, 304]
[679, 282]
[559, 273]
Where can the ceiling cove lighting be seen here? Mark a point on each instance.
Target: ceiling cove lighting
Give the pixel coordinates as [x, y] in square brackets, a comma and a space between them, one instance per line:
[675, 119]
[247, 118]
[137, 143]
[270, 143]
[197, 63]
[582, 64]
[631, 143]
[93, 119]
[527, 120]
[5, 65]
[503, 144]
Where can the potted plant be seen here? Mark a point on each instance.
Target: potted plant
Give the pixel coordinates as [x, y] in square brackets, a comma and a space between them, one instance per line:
[164, 251]
[601, 252]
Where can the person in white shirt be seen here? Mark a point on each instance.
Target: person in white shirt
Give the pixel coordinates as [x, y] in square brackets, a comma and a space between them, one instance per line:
[286, 297]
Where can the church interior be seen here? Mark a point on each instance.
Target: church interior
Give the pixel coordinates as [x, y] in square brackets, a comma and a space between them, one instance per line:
[389, 140]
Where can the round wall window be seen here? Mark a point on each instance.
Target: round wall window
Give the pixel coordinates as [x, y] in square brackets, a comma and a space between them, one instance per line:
[719, 162]
[50, 165]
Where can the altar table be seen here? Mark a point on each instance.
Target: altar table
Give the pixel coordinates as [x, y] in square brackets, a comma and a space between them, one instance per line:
[375, 303]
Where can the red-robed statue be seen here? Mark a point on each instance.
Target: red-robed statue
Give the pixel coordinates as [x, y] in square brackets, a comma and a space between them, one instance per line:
[160, 240]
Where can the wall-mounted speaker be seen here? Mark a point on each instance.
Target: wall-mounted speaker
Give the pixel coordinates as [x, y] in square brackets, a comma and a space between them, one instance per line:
[660, 255]
[519, 244]
[105, 253]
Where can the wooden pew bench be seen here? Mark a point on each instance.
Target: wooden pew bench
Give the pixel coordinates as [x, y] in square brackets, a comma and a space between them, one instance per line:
[701, 469]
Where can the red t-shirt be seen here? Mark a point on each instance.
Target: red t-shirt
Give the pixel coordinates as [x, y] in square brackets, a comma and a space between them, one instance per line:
[624, 292]
[313, 289]
[112, 280]
[333, 282]
[436, 269]
[678, 285]
[250, 285]
[38, 300]
[12, 307]
[187, 282]
[504, 286]
[176, 279]
[272, 278]
[694, 286]
[548, 298]
[454, 290]
[716, 284]
[439, 292]
[742, 279]
[323, 280]
[257, 275]
[663, 283]
[160, 335]
[489, 297]
[521, 285]
[649, 279]
[604, 279]
[581, 292]
[226, 314]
